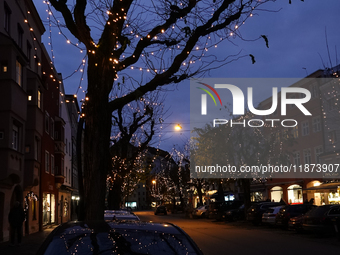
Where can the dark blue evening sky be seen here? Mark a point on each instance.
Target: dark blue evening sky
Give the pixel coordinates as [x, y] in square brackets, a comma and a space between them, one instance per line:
[296, 35]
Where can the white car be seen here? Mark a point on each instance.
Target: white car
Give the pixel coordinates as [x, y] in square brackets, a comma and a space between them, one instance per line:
[120, 215]
[270, 215]
[201, 211]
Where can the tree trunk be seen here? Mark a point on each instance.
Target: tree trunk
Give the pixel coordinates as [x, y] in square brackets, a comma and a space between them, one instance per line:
[115, 198]
[199, 191]
[246, 190]
[97, 139]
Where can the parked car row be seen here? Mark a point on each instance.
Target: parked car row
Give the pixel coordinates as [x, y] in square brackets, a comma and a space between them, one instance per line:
[300, 217]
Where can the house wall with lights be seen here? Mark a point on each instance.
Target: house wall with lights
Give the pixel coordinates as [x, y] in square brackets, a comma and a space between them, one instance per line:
[20, 52]
[310, 140]
[36, 130]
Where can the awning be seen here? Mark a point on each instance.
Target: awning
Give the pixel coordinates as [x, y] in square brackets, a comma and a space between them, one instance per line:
[324, 188]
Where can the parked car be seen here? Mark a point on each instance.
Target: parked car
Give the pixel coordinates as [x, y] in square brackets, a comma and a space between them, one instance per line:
[320, 219]
[200, 211]
[295, 223]
[290, 211]
[118, 214]
[254, 213]
[100, 237]
[234, 214]
[161, 209]
[218, 210]
[269, 216]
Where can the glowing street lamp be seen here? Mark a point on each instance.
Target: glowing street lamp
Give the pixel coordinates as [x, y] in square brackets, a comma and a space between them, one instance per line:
[178, 127]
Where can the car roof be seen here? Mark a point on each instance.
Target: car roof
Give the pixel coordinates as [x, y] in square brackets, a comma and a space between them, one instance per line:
[107, 235]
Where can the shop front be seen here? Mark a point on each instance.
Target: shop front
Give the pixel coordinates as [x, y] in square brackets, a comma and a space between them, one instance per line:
[295, 194]
[325, 193]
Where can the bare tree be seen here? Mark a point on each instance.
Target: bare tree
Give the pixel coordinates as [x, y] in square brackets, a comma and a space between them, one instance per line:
[169, 40]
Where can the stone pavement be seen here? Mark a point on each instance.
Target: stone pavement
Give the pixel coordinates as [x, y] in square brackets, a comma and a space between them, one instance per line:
[29, 245]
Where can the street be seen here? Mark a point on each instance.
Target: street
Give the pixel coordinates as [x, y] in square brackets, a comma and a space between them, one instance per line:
[241, 238]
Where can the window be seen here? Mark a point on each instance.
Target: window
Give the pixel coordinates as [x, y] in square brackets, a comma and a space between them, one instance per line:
[52, 128]
[36, 148]
[332, 137]
[29, 51]
[52, 165]
[316, 124]
[18, 68]
[47, 162]
[20, 36]
[296, 157]
[4, 67]
[7, 23]
[332, 103]
[305, 128]
[295, 132]
[314, 90]
[69, 173]
[39, 99]
[66, 145]
[15, 138]
[307, 156]
[62, 166]
[318, 151]
[47, 123]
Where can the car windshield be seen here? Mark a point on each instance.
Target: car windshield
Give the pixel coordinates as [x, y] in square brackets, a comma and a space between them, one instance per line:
[82, 240]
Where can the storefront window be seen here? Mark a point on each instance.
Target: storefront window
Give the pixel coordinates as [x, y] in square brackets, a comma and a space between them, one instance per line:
[295, 194]
[334, 197]
[48, 208]
[276, 193]
[52, 208]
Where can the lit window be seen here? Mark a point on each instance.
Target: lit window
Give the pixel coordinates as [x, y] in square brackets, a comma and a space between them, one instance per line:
[39, 99]
[18, 73]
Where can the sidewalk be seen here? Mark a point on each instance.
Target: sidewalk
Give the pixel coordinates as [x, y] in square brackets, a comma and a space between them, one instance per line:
[29, 245]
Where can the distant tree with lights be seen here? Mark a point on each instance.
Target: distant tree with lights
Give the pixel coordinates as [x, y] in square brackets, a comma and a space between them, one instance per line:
[167, 40]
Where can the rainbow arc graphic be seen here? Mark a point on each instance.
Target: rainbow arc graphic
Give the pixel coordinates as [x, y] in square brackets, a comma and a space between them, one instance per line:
[204, 97]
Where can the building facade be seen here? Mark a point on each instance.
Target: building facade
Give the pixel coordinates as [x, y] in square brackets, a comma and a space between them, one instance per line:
[37, 136]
